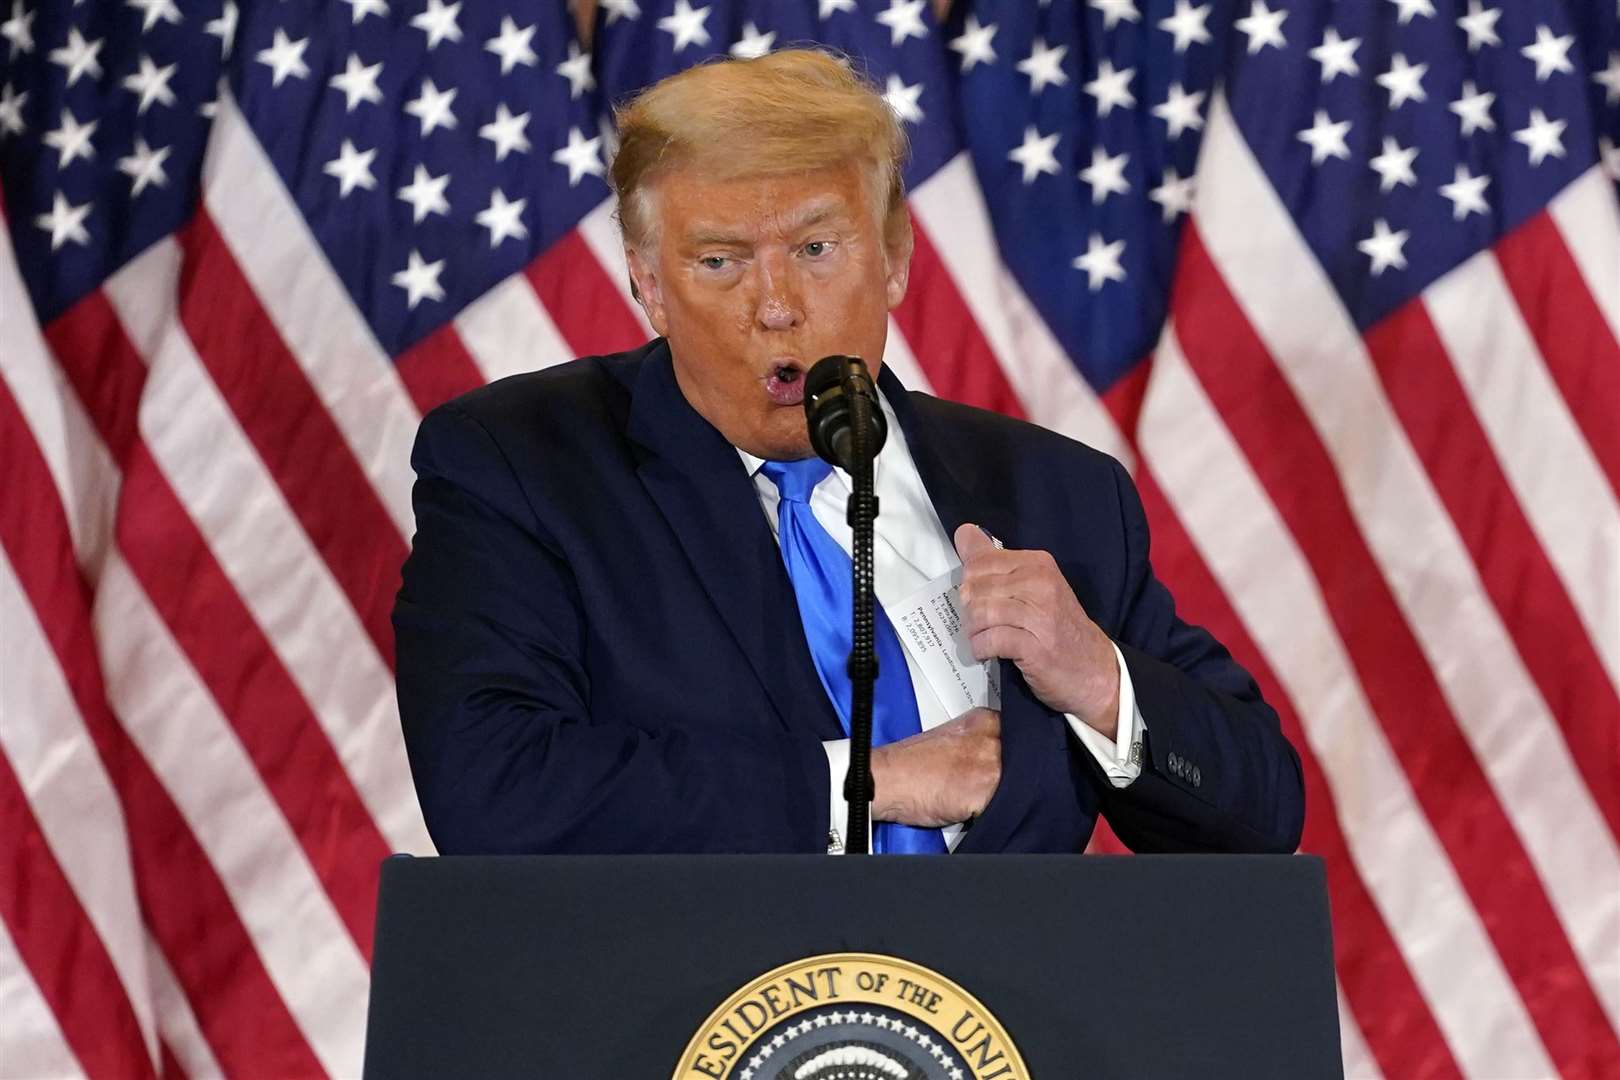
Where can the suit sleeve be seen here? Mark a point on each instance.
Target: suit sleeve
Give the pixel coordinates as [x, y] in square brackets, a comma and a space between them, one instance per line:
[1218, 774]
[495, 696]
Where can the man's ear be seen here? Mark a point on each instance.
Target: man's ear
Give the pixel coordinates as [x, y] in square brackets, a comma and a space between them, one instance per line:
[648, 288]
[895, 280]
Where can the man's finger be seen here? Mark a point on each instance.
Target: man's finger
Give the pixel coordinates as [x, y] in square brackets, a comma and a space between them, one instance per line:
[986, 611]
[1002, 643]
[971, 542]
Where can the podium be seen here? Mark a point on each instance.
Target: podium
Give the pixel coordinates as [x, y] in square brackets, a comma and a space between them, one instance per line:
[762, 967]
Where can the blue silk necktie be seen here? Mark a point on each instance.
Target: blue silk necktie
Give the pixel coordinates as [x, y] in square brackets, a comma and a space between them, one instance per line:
[821, 576]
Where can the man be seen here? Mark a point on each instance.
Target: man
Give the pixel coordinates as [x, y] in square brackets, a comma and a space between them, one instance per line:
[608, 637]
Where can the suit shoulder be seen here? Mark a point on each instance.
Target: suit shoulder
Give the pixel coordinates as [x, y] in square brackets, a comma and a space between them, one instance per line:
[590, 388]
[997, 435]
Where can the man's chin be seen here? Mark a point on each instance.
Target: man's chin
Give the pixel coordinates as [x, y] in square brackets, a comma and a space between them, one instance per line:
[788, 439]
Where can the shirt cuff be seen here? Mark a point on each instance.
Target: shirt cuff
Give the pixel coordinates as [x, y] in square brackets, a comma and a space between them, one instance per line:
[1121, 756]
[837, 808]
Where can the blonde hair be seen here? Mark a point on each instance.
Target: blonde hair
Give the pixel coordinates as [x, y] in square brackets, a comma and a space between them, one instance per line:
[787, 111]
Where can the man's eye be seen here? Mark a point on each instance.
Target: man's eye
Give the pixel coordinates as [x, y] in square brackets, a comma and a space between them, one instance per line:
[713, 262]
[817, 248]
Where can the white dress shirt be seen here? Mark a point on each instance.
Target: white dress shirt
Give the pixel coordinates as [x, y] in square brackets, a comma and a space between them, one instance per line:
[909, 550]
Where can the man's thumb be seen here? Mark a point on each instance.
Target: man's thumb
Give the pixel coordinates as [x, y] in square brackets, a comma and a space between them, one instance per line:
[972, 540]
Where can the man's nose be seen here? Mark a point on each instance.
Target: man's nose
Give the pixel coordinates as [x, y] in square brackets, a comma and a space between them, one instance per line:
[778, 307]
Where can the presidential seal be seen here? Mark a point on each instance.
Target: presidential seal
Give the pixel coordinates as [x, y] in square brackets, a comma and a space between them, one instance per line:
[851, 1016]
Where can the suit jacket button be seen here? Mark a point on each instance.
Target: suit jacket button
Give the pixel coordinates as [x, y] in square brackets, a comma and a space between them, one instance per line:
[1174, 762]
[1197, 777]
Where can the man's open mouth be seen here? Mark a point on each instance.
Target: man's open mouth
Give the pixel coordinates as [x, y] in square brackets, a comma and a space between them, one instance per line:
[785, 384]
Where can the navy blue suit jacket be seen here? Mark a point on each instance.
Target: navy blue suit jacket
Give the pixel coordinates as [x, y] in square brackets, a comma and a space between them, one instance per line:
[600, 651]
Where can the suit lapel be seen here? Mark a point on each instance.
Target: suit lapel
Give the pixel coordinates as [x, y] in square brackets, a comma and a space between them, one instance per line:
[700, 486]
[953, 477]
[961, 491]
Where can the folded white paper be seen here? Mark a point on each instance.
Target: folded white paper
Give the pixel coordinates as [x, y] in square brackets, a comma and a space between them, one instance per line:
[929, 622]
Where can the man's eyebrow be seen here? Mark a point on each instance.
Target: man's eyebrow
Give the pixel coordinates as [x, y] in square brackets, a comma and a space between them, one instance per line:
[705, 236]
[702, 235]
[814, 216]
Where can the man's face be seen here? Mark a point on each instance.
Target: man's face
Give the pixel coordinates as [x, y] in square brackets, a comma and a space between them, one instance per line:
[754, 280]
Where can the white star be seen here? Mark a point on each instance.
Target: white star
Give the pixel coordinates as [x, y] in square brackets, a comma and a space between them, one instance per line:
[145, 166]
[1404, 81]
[1336, 55]
[1186, 25]
[1474, 109]
[1409, 8]
[1383, 247]
[1115, 10]
[753, 44]
[1326, 138]
[1101, 262]
[19, 29]
[1550, 53]
[1467, 193]
[1480, 25]
[65, 222]
[352, 168]
[11, 103]
[974, 44]
[903, 99]
[78, 56]
[1263, 26]
[224, 28]
[151, 83]
[1106, 175]
[1609, 153]
[686, 25]
[1044, 66]
[506, 132]
[1036, 154]
[502, 218]
[420, 280]
[432, 107]
[1543, 137]
[362, 8]
[438, 22]
[155, 10]
[581, 155]
[1111, 88]
[1394, 166]
[72, 140]
[425, 193]
[1181, 110]
[577, 70]
[358, 83]
[1609, 79]
[284, 58]
[1175, 195]
[904, 20]
[512, 46]
[832, 7]
[621, 9]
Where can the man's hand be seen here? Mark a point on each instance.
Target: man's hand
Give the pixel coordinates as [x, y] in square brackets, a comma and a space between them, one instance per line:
[940, 776]
[1018, 606]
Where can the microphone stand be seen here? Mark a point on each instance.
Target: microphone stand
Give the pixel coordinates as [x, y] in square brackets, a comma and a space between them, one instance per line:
[860, 512]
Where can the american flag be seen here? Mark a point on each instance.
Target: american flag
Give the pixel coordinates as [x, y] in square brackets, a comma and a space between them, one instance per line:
[1339, 281]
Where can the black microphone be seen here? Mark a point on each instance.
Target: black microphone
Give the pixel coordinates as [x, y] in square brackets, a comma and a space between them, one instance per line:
[831, 414]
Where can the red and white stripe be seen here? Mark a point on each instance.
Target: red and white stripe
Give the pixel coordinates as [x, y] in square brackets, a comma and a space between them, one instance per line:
[1411, 535]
